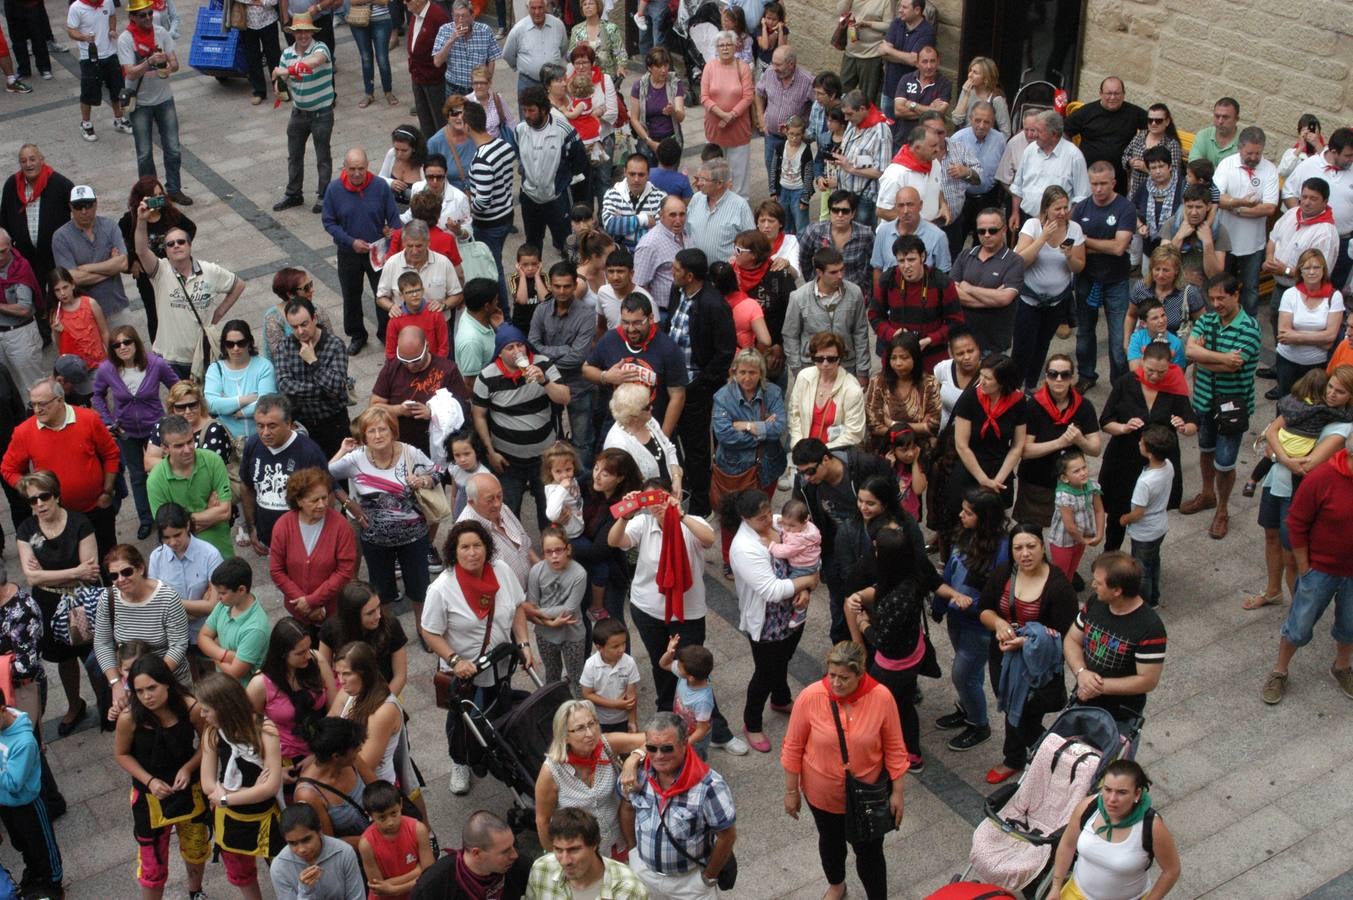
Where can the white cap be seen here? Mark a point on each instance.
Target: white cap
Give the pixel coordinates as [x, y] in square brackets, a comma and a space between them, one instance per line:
[82, 192]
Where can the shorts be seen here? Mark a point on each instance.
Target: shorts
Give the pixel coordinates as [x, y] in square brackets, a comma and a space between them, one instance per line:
[1273, 515]
[1225, 448]
[102, 73]
[152, 859]
[1314, 592]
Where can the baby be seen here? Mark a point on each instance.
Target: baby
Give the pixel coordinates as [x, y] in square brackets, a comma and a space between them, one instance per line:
[583, 116]
[1302, 415]
[800, 546]
[559, 467]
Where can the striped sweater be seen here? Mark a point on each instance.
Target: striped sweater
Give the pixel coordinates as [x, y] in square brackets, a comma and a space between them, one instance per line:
[160, 621]
[314, 91]
[491, 184]
[520, 415]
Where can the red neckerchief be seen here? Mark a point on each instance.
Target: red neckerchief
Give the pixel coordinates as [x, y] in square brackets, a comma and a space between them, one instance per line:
[143, 39]
[1341, 464]
[995, 410]
[20, 271]
[643, 345]
[94, 3]
[477, 887]
[39, 184]
[479, 590]
[907, 160]
[1247, 170]
[589, 761]
[1172, 383]
[867, 684]
[873, 117]
[1326, 216]
[1324, 292]
[776, 244]
[1044, 399]
[518, 375]
[748, 279]
[343, 177]
[674, 566]
[693, 771]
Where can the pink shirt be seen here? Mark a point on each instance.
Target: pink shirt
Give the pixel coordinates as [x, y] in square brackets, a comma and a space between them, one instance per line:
[801, 549]
[730, 89]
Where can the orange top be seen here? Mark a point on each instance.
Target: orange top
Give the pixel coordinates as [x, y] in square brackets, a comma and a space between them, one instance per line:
[1342, 356]
[811, 749]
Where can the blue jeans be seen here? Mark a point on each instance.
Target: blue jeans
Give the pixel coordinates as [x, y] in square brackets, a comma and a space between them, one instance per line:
[796, 215]
[1224, 448]
[1148, 554]
[1314, 592]
[494, 238]
[654, 634]
[971, 648]
[1113, 296]
[1247, 270]
[132, 450]
[581, 406]
[165, 119]
[658, 20]
[519, 476]
[374, 36]
[771, 144]
[413, 564]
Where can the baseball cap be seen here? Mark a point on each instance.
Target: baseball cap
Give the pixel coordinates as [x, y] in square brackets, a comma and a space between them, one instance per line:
[82, 192]
[73, 369]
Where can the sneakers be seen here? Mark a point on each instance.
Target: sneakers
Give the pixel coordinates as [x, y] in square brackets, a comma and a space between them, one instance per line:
[46, 76]
[956, 719]
[916, 765]
[197, 895]
[970, 737]
[54, 47]
[735, 745]
[1276, 685]
[434, 562]
[1344, 678]
[17, 87]
[460, 779]
[122, 125]
[87, 131]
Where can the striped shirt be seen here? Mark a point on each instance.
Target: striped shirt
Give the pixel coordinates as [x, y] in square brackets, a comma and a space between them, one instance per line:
[520, 415]
[159, 620]
[314, 91]
[491, 184]
[1241, 334]
[868, 149]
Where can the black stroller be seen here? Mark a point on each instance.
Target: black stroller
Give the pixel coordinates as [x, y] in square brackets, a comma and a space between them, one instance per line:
[693, 36]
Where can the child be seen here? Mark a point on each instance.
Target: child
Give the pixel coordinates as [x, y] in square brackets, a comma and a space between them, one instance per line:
[1153, 327]
[1078, 513]
[610, 679]
[563, 500]
[465, 452]
[1148, 521]
[836, 130]
[526, 285]
[1200, 171]
[1302, 415]
[667, 177]
[581, 219]
[793, 168]
[22, 808]
[395, 849]
[771, 34]
[734, 19]
[581, 115]
[904, 452]
[555, 589]
[694, 700]
[78, 321]
[411, 310]
[800, 545]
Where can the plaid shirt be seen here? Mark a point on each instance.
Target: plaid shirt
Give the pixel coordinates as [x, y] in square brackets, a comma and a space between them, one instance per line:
[856, 252]
[871, 148]
[317, 390]
[956, 189]
[479, 49]
[618, 882]
[679, 330]
[693, 818]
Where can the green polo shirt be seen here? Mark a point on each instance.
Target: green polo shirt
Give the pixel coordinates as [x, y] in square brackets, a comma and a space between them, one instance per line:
[474, 346]
[246, 634]
[1205, 146]
[209, 475]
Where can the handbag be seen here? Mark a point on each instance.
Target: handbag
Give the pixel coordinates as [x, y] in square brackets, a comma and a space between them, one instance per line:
[238, 17]
[841, 33]
[446, 687]
[721, 484]
[73, 621]
[728, 875]
[359, 15]
[869, 815]
[930, 663]
[1230, 412]
[432, 501]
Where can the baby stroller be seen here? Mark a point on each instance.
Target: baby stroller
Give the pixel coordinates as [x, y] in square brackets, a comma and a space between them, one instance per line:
[1015, 844]
[694, 35]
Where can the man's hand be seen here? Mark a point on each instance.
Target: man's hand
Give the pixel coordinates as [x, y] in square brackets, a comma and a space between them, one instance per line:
[307, 352]
[360, 246]
[497, 461]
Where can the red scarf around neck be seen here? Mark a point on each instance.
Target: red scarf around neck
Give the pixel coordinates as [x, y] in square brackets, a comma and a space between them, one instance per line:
[674, 566]
[1324, 292]
[477, 887]
[748, 279]
[643, 344]
[1326, 216]
[693, 771]
[776, 244]
[519, 374]
[1044, 399]
[143, 39]
[20, 271]
[907, 160]
[479, 590]
[867, 684]
[39, 184]
[356, 189]
[994, 409]
[1173, 382]
[589, 761]
[873, 117]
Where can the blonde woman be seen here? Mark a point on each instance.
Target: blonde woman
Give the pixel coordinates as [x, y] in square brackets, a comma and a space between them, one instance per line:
[984, 83]
[637, 433]
[826, 403]
[186, 398]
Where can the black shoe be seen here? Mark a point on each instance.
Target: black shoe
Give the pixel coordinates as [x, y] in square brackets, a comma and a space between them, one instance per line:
[956, 719]
[1266, 372]
[970, 737]
[181, 198]
[144, 531]
[1083, 385]
[1272, 393]
[287, 203]
[64, 728]
[355, 346]
[318, 207]
[56, 807]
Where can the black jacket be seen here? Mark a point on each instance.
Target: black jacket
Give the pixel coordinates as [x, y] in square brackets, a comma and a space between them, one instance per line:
[713, 339]
[52, 214]
[439, 882]
[860, 467]
[805, 171]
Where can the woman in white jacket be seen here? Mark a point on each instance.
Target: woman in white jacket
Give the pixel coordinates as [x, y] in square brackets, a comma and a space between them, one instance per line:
[826, 403]
[637, 433]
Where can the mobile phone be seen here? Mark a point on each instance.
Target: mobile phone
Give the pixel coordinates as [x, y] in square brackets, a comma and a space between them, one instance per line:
[154, 203]
[1066, 243]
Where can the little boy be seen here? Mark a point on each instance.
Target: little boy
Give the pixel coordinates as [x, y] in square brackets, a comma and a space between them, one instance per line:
[666, 177]
[1148, 521]
[22, 809]
[694, 700]
[1153, 326]
[412, 310]
[236, 634]
[395, 849]
[800, 546]
[1078, 513]
[610, 678]
[582, 219]
[526, 286]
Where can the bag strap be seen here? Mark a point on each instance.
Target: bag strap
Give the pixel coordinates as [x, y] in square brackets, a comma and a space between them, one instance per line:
[188, 299]
[840, 735]
[1148, 839]
[323, 786]
[459, 167]
[662, 823]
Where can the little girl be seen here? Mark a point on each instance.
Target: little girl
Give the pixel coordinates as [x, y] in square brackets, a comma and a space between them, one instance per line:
[463, 448]
[735, 20]
[559, 467]
[1302, 415]
[794, 172]
[555, 589]
[904, 452]
[581, 113]
[1078, 516]
[78, 321]
[800, 547]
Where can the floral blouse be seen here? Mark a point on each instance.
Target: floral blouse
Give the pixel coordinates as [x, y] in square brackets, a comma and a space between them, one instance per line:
[214, 438]
[609, 47]
[882, 408]
[20, 634]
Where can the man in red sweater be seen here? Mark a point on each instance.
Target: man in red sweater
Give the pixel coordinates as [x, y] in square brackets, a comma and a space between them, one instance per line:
[73, 443]
[1318, 523]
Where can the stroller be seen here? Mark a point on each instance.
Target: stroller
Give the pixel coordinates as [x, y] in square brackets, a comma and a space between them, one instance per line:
[1014, 846]
[696, 28]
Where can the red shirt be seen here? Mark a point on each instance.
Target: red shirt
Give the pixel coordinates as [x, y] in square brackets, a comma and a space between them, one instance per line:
[394, 857]
[79, 454]
[432, 323]
[1321, 517]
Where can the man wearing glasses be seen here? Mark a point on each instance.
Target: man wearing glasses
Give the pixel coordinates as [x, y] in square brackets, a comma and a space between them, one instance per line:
[1106, 126]
[988, 277]
[463, 44]
[90, 246]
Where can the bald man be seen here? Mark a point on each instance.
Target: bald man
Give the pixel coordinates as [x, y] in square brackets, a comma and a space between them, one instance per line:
[359, 210]
[407, 382]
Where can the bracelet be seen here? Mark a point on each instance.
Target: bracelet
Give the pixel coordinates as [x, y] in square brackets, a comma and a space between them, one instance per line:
[1078, 672]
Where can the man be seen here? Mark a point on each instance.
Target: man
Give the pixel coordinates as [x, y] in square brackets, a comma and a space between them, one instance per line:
[13, 410]
[987, 144]
[189, 295]
[91, 248]
[1319, 522]
[908, 221]
[702, 326]
[1015, 147]
[1224, 347]
[656, 251]
[925, 89]
[562, 330]
[1106, 126]
[1335, 166]
[33, 205]
[408, 381]
[908, 34]
[235, 636]
[916, 165]
[1116, 649]
[270, 457]
[830, 302]
[314, 864]
[545, 145]
[312, 369]
[784, 91]
[988, 277]
[74, 444]
[1218, 141]
[632, 206]
[716, 214]
[918, 299]
[619, 285]
[487, 854]
[575, 866]
[511, 545]
[462, 45]
[865, 150]
[862, 64]
[673, 776]
[513, 418]
[474, 333]
[20, 300]
[322, 13]
[75, 378]
[534, 41]
[359, 210]
[146, 52]
[1310, 225]
[1202, 248]
[491, 177]
[428, 77]
[1109, 220]
[1051, 159]
[441, 285]
[194, 479]
[308, 67]
[639, 351]
[1249, 195]
[93, 27]
[842, 232]
[960, 169]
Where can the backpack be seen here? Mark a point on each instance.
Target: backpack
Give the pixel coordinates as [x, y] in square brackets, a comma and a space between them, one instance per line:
[1148, 838]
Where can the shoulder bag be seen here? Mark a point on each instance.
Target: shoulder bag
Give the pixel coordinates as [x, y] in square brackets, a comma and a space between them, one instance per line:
[728, 875]
[446, 687]
[869, 816]
[359, 15]
[206, 337]
[1230, 412]
[432, 501]
[842, 32]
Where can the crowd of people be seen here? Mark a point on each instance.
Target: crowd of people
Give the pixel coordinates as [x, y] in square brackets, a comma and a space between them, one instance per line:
[868, 340]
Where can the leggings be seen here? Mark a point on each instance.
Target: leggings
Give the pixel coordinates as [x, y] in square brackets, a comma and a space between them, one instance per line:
[870, 864]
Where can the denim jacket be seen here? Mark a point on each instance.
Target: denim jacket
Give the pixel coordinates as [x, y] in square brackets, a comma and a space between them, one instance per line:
[736, 451]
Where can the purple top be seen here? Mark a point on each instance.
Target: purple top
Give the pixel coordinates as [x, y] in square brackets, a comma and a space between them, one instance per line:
[136, 415]
[659, 126]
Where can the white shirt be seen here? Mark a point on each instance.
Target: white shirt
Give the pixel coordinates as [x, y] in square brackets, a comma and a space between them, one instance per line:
[789, 252]
[1049, 275]
[1289, 242]
[1341, 188]
[439, 276]
[610, 682]
[93, 20]
[898, 176]
[447, 612]
[608, 304]
[511, 544]
[949, 389]
[1152, 492]
[1308, 320]
[455, 216]
[417, 25]
[1248, 235]
[1064, 167]
[645, 532]
[754, 580]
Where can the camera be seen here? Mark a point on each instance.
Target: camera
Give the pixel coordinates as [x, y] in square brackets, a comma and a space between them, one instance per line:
[155, 202]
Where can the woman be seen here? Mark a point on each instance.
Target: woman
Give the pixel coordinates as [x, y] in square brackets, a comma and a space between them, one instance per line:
[366, 698]
[259, 38]
[954, 376]
[1155, 393]
[580, 770]
[990, 425]
[290, 283]
[769, 284]
[127, 397]
[749, 319]
[158, 744]
[914, 297]
[242, 779]
[312, 554]
[605, 106]
[383, 474]
[236, 380]
[902, 393]
[139, 609]
[811, 758]
[1310, 141]
[453, 142]
[1183, 302]
[1160, 131]
[726, 95]
[659, 104]
[1060, 418]
[330, 782]
[1115, 817]
[473, 606]
[1280, 484]
[749, 427]
[827, 403]
[58, 553]
[771, 220]
[371, 29]
[637, 433]
[603, 36]
[402, 167]
[158, 223]
[293, 689]
[1019, 596]
[1309, 317]
[21, 627]
[983, 83]
[186, 399]
[500, 121]
[767, 601]
[593, 249]
[1053, 249]
[614, 474]
[362, 617]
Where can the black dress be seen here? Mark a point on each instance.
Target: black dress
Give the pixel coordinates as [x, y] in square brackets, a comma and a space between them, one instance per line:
[54, 554]
[1122, 458]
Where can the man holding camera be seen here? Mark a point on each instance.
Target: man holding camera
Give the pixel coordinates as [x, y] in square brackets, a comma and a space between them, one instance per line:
[146, 52]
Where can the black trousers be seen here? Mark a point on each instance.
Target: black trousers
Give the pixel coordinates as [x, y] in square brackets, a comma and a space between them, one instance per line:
[870, 863]
[428, 99]
[536, 217]
[353, 269]
[28, 23]
[996, 198]
[654, 634]
[261, 46]
[770, 677]
[105, 528]
[1020, 739]
[30, 830]
[696, 451]
[902, 685]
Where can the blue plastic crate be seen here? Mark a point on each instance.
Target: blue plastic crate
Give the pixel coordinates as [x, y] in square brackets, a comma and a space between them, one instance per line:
[214, 53]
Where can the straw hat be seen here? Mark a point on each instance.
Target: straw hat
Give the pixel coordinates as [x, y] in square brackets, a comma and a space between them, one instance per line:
[300, 22]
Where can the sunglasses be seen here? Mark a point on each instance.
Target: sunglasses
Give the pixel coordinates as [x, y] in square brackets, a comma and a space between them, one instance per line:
[124, 343]
[431, 177]
[1059, 374]
[841, 210]
[988, 231]
[43, 497]
[83, 204]
[122, 573]
[176, 242]
[808, 471]
[456, 113]
[184, 407]
[660, 748]
[1150, 120]
[231, 345]
[741, 250]
[826, 359]
[308, 286]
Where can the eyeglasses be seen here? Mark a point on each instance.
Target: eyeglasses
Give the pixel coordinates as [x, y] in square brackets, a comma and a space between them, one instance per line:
[185, 407]
[176, 242]
[1152, 120]
[122, 573]
[43, 497]
[231, 345]
[988, 231]
[40, 405]
[826, 360]
[840, 210]
[124, 343]
[741, 250]
[660, 748]
[583, 729]
[1059, 374]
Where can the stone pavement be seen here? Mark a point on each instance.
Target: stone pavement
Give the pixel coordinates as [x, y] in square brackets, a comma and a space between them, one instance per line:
[1260, 799]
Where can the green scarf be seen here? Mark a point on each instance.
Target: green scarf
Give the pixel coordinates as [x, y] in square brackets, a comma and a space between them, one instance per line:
[1138, 813]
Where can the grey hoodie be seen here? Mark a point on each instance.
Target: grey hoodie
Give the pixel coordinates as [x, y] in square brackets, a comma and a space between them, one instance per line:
[806, 316]
[340, 874]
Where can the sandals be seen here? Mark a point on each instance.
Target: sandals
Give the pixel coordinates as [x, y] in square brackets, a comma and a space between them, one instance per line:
[1258, 601]
[1248, 489]
[1221, 523]
[391, 99]
[365, 101]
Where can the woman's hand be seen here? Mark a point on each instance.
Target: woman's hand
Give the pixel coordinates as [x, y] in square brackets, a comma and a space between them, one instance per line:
[119, 700]
[960, 601]
[854, 604]
[87, 570]
[397, 185]
[793, 802]
[464, 670]
[895, 802]
[349, 444]
[526, 661]
[1177, 423]
[183, 778]
[992, 484]
[1134, 424]
[1013, 644]
[1070, 436]
[160, 788]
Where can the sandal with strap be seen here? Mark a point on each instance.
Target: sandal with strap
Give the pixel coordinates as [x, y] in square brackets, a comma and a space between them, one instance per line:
[1258, 601]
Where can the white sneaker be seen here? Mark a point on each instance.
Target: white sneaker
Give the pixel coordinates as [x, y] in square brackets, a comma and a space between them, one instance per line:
[122, 125]
[737, 746]
[460, 778]
[87, 131]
